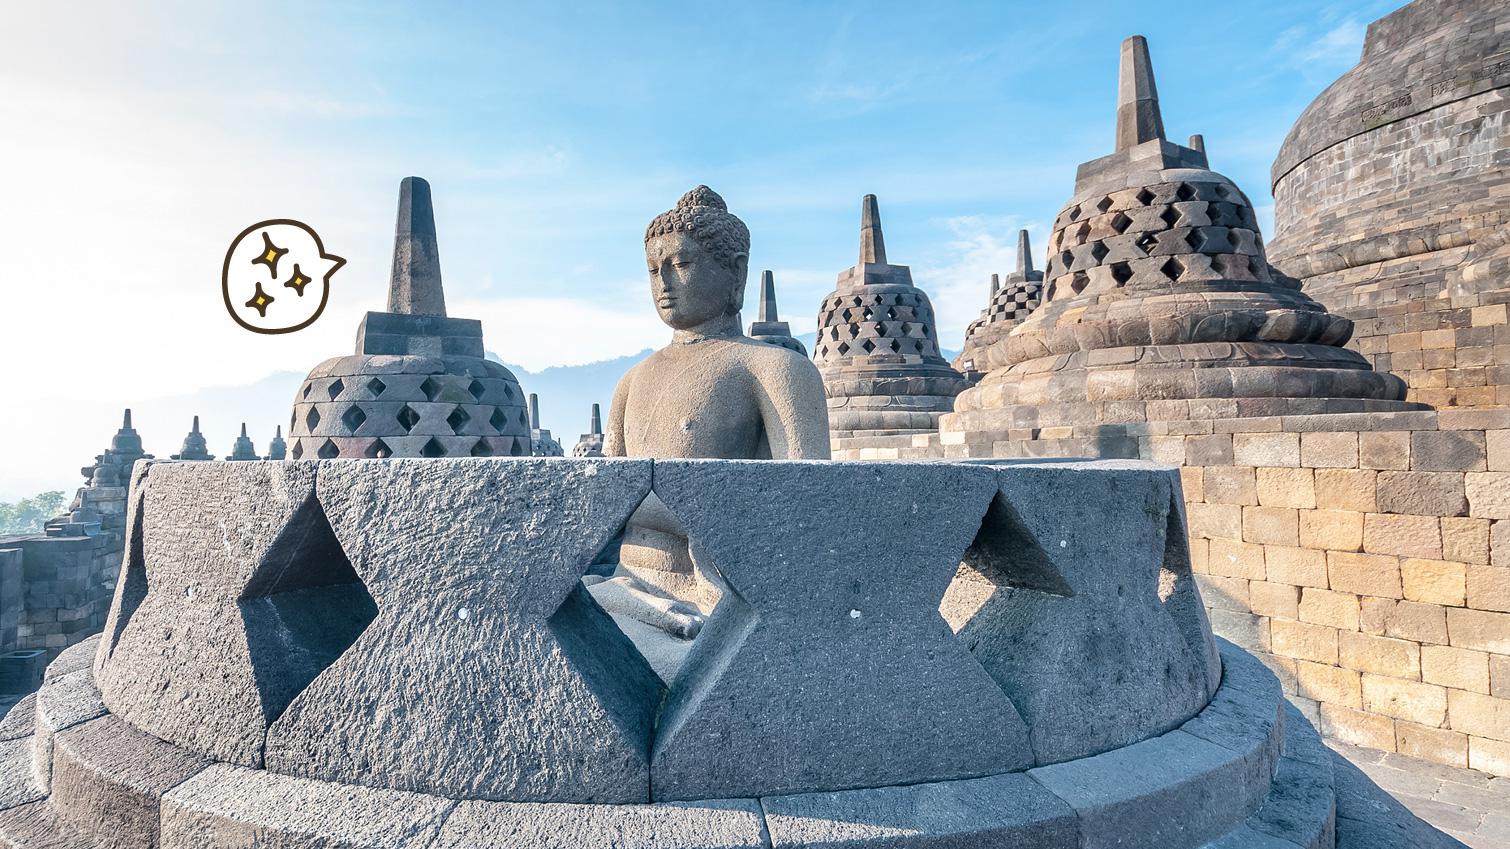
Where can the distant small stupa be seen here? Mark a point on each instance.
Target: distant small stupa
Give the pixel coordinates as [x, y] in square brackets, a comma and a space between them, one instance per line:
[195, 447]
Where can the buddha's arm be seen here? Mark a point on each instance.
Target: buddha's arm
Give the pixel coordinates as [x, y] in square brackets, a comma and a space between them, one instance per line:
[793, 409]
[613, 439]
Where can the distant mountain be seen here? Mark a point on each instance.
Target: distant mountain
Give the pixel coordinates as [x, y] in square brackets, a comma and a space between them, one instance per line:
[567, 393]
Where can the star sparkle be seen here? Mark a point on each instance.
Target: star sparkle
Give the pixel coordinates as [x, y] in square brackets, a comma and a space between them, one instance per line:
[260, 301]
[270, 255]
[298, 281]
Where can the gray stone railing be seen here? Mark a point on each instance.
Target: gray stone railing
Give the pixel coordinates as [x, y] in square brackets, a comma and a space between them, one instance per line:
[421, 624]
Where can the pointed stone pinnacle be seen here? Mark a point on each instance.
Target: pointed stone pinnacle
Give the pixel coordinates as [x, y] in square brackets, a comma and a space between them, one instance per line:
[1024, 254]
[126, 421]
[1138, 118]
[1197, 142]
[872, 245]
[279, 433]
[534, 411]
[597, 421]
[195, 430]
[414, 286]
[995, 285]
[243, 430]
[767, 297]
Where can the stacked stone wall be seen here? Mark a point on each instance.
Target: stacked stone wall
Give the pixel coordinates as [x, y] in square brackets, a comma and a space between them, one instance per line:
[1364, 557]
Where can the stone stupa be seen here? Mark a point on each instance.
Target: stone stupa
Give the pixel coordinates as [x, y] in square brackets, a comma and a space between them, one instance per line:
[1010, 304]
[418, 384]
[590, 444]
[542, 444]
[278, 448]
[768, 326]
[195, 447]
[243, 448]
[1159, 303]
[877, 346]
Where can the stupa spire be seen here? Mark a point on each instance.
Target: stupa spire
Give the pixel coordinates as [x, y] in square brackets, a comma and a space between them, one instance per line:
[995, 284]
[1197, 142]
[126, 420]
[414, 286]
[597, 421]
[534, 411]
[872, 244]
[1138, 118]
[767, 297]
[1024, 255]
[195, 430]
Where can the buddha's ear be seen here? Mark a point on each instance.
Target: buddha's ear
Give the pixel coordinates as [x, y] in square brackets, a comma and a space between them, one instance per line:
[741, 275]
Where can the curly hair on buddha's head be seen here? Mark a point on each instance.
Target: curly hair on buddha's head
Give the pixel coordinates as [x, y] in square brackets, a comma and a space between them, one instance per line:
[704, 215]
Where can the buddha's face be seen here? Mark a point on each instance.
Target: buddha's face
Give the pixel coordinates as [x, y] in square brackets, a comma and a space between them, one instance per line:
[689, 285]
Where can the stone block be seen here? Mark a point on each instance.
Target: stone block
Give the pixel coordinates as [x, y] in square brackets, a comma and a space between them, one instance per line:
[1463, 669]
[1244, 629]
[1325, 607]
[1193, 483]
[1271, 525]
[61, 704]
[1298, 566]
[1447, 451]
[1499, 676]
[1284, 487]
[1479, 629]
[1384, 449]
[1466, 540]
[999, 811]
[108, 779]
[1422, 493]
[1406, 536]
[1488, 494]
[18, 785]
[1281, 600]
[1491, 756]
[1479, 715]
[1216, 521]
[1433, 581]
[20, 720]
[1499, 544]
[1497, 447]
[1334, 450]
[818, 626]
[1413, 701]
[1437, 745]
[1381, 655]
[1233, 559]
[1489, 588]
[1304, 641]
[1224, 593]
[1346, 489]
[1266, 449]
[226, 806]
[1338, 530]
[1208, 450]
[1229, 485]
[1358, 727]
[1364, 574]
[715, 824]
[505, 543]
[1330, 684]
[1407, 620]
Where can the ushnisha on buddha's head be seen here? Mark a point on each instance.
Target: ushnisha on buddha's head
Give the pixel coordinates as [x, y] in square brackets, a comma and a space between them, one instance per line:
[698, 255]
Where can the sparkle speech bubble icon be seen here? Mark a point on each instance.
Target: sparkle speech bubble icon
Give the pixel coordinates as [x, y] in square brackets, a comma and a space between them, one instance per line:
[276, 277]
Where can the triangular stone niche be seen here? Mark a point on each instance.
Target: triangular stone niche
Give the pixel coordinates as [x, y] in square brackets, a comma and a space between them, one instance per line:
[303, 606]
[1005, 553]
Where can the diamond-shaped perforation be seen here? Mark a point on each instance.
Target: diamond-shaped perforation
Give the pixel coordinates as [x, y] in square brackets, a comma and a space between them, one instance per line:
[1184, 192]
[482, 449]
[353, 418]
[433, 448]
[1104, 204]
[1121, 272]
[407, 418]
[1099, 252]
[477, 389]
[308, 388]
[376, 387]
[1145, 197]
[1147, 242]
[458, 419]
[379, 450]
[1194, 240]
[508, 391]
[1075, 214]
[431, 387]
[1169, 216]
[843, 347]
[1173, 268]
[1120, 222]
[498, 420]
[328, 450]
[298, 451]
[517, 449]
[312, 419]
[1079, 282]
[335, 388]
[868, 345]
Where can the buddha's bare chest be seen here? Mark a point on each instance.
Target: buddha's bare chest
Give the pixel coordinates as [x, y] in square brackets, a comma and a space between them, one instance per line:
[691, 407]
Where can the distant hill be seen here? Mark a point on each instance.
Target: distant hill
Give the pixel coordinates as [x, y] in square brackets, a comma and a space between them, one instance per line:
[567, 393]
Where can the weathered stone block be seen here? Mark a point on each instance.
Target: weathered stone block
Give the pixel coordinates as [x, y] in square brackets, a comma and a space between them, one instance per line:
[1491, 756]
[716, 824]
[1216, 521]
[1298, 566]
[1224, 593]
[1346, 489]
[1228, 485]
[1422, 493]
[1406, 536]
[1488, 588]
[1233, 559]
[1488, 494]
[1499, 544]
[1384, 449]
[1325, 607]
[1381, 655]
[1497, 448]
[1437, 745]
[1358, 727]
[505, 543]
[1447, 451]
[1283, 487]
[1335, 450]
[1463, 669]
[1266, 599]
[1338, 530]
[1330, 684]
[1271, 525]
[1408, 620]
[1434, 581]
[1304, 641]
[1266, 449]
[1479, 629]
[814, 631]
[1466, 540]
[1479, 715]
[1364, 574]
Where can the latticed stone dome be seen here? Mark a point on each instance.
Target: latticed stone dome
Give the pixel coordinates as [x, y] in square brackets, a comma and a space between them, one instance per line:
[418, 385]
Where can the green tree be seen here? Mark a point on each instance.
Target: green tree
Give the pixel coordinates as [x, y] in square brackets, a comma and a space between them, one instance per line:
[28, 515]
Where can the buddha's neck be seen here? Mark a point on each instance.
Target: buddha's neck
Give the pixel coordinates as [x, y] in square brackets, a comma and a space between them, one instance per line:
[723, 327]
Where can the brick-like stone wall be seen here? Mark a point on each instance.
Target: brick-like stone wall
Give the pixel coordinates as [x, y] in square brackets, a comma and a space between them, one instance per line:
[1364, 557]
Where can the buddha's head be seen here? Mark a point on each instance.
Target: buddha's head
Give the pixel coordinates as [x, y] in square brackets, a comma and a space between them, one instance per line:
[698, 255]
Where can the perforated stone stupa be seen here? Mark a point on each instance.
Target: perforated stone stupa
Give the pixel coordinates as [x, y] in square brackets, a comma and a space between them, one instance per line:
[1159, 303]
[542, 444]
[769, 327]
[195, 447]
[877, 346]
[1011, 302]
[418, 384]
[590, 444]
[243, 449]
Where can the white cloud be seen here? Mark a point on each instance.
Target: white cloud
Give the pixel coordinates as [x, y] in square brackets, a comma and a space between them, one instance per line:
[958, 281]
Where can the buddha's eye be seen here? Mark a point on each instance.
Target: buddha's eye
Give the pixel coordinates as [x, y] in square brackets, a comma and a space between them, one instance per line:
[682, 263]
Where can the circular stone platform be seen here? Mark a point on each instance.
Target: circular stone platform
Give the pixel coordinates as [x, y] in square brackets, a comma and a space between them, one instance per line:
[401, 653]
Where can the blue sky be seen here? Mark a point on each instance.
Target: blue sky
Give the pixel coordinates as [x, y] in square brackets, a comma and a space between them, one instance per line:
[551, 136]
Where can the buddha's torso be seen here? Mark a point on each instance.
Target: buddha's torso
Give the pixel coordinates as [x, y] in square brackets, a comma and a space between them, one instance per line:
[697, 399]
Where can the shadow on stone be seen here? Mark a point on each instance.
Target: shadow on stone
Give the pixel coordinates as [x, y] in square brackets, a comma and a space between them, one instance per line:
[1007, 554]
[303, 606]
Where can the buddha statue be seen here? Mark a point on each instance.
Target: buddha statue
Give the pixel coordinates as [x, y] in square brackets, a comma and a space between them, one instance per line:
[712, 392]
